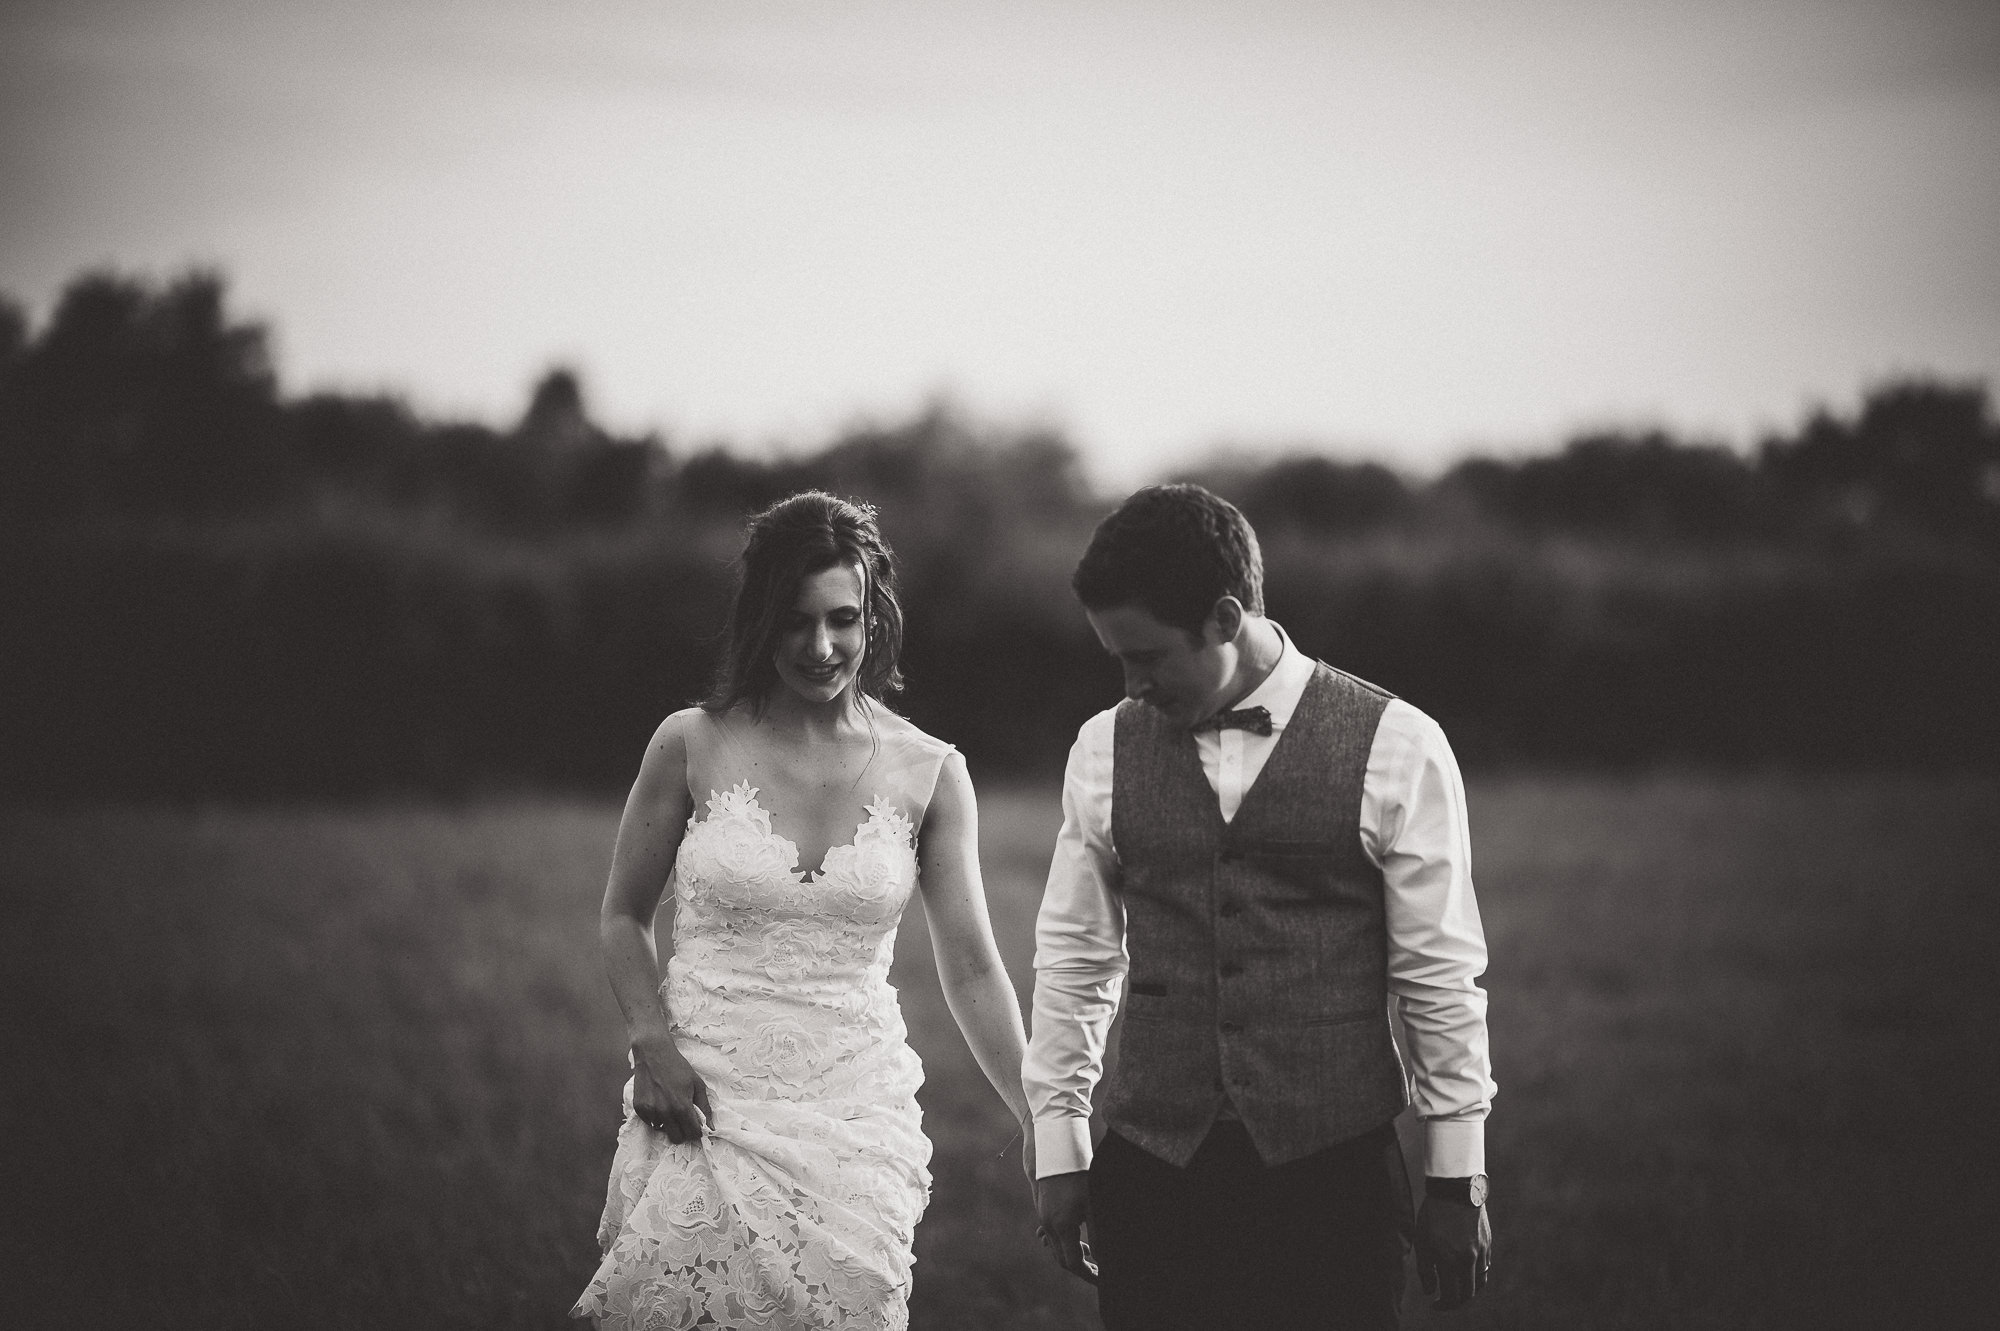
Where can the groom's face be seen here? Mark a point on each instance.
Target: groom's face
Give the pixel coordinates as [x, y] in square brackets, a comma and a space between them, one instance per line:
[1186, 676]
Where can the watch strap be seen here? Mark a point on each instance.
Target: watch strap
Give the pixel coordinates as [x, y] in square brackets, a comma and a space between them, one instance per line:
[1469, 1191]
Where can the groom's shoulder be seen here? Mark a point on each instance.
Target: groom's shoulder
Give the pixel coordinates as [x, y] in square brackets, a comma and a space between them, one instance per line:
[1350, 680]
[1097, 732]
[1405, 732]
[1399, 723]
[1107, 718]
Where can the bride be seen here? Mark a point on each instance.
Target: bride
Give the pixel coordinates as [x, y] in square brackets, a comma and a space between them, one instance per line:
[771, 1168]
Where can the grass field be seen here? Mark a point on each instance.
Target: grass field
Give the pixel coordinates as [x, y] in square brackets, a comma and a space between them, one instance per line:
[357, 1067]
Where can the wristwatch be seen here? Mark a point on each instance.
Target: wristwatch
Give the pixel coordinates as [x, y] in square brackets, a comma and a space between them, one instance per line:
[1465, 1191]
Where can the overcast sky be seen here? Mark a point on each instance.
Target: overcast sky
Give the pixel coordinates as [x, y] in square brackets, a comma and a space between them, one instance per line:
[1394, 230]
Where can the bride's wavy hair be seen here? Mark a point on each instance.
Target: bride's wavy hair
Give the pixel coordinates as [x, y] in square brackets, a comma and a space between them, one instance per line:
[788, 542]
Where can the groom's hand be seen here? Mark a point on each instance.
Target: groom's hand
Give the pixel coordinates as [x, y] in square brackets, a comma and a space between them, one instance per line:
[1063, 1203]
[1454, 1250]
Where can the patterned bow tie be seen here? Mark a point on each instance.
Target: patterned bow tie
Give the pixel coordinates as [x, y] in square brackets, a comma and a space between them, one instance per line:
[1256, 720]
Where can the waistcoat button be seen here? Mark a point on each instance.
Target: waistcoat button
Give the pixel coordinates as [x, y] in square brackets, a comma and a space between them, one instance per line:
[1231, 1027]
[1230, 907]
[1231, 968]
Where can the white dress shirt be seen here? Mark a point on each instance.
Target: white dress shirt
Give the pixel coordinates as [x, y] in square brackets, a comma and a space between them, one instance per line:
[1413, 828]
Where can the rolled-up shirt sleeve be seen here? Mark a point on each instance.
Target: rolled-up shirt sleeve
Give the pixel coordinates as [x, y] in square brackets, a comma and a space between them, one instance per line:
[1080, 960]
[1414, 826]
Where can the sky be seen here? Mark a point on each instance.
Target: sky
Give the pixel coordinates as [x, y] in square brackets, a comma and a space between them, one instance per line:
[1387, 230]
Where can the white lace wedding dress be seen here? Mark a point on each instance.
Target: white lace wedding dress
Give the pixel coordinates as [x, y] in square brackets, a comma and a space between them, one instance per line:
[798, 1209]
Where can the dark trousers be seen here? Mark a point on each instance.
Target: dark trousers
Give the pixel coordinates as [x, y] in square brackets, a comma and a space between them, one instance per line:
[1231, 1242]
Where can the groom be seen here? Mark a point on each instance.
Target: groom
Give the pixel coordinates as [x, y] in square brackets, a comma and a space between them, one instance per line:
[1263, 852]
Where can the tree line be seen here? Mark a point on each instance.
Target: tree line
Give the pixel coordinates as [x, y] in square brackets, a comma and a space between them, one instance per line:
[208, 587]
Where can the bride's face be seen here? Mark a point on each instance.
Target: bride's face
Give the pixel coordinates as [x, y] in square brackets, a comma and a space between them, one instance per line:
[822, 641]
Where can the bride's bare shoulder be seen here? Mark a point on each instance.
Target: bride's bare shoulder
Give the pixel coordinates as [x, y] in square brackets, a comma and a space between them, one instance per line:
[720, 746]
[905, 733]
[686, 730]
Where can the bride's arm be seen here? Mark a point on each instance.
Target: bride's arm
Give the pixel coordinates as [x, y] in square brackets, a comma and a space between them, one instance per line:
[969, 967]
[665, 1090]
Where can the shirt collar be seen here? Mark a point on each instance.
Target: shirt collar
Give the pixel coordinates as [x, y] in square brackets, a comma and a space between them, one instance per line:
[1281, 690]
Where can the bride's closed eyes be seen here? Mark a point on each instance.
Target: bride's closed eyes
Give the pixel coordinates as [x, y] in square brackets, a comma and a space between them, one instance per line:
[800, 622]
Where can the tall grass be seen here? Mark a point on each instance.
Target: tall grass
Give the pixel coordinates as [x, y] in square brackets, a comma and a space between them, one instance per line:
[357, 1067]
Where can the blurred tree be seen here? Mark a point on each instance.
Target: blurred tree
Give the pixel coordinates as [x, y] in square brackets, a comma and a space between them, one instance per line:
[938, 477]
[592, 478]
[13, 336]
[717, 483]
[560, 587]
[365, 445]
[1618, 485]
[945, 483]
[555, 419]
[1923, 451]
[1041, 475]
[1325, 497]
[144, 401]
[612, 481]
[20, 469]
[1307, 495]
[897, 464]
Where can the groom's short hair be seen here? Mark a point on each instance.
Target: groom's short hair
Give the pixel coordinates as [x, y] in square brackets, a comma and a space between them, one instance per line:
[1174, 550]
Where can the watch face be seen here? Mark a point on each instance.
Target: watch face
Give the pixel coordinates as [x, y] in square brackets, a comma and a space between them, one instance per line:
[1475, 1190]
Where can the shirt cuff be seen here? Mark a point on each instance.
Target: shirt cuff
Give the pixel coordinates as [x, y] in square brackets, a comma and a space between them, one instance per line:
[1453, 1147]
[1062, 1145]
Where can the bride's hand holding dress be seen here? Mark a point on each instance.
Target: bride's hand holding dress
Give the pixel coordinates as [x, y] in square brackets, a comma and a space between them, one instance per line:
[667, 1093]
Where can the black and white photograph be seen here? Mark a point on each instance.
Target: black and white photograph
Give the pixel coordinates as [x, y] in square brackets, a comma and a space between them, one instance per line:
[944, 665]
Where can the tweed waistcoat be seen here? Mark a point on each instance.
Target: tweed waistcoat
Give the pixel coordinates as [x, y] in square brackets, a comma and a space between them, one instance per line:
[1259, 952]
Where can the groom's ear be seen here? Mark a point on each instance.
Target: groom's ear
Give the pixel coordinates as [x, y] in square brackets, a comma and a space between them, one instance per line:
[1227, 619]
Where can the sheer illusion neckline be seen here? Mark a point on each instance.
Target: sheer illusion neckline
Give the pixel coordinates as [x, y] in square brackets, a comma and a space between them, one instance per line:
[877, 810]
